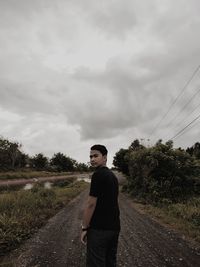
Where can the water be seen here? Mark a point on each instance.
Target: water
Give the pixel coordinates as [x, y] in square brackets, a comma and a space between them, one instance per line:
[83, 178]
[28, 186]
[47, 185]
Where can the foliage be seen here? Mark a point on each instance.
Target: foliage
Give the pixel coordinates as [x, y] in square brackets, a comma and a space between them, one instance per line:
[135, 145]
[62, 162]
[81, 167]
[121, 158]
[120, 161]
[183, 216]
[65, 182]
[160, 173]
[39, 161]
[10, 155]
[12, 158]
[23, 212]
[194, 150]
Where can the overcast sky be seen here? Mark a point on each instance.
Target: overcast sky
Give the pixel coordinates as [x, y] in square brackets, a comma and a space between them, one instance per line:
[75, 73]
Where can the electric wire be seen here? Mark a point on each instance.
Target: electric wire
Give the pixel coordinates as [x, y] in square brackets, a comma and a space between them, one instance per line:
[187, 103]
[175, 100]
[184, 119]
[187, 130]
[185, 127]
[188, 115]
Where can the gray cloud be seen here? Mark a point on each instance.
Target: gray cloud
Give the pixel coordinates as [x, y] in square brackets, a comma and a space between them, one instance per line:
[103, 71]
[117, 19]
[102, 113]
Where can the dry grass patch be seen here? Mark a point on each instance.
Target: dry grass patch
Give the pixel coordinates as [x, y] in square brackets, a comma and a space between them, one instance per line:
[23, 212]
[184, 217]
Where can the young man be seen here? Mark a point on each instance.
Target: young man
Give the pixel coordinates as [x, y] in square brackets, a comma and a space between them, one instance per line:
[101, 221]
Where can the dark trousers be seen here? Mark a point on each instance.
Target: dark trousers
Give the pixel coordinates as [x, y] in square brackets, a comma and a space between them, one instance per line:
[102, 248]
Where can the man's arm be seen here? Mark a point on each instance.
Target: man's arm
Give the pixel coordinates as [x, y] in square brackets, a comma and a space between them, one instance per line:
[87, 215]
[88, 211]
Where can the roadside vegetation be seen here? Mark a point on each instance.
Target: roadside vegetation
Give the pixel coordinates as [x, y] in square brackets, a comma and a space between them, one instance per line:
[27, 174]
[23, 212]
[12, 158]
[165, 181]
[181, 217]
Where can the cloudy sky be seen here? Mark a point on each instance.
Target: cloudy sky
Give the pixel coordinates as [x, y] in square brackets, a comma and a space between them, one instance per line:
[78, 72]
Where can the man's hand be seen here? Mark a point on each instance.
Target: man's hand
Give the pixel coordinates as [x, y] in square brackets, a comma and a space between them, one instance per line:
[87, 215]
[84, 237]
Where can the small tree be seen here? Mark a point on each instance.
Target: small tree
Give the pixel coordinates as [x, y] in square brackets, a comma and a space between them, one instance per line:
[135, 145]
[62, 162]
[81, 167]
[39, 161]
[120, 161]
[9, 154]
[161, 172]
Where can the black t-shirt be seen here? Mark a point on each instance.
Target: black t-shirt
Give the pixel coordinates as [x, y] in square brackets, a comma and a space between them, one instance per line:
[104, 186]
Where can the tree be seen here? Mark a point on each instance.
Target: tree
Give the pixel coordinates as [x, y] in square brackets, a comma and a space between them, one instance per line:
[135, 145]
[120, 161]
[10, 154]
[22, 160]
[39, 161]
[197, 150]
[194, 150]
[14, 153]
[161, 172]
[62, 162]
[81, 167]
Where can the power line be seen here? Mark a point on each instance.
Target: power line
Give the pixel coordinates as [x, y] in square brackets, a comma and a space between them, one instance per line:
[187, 115]
[175, 100]
[177, 125]
[187, 130]
[184, 107]
[185, 127]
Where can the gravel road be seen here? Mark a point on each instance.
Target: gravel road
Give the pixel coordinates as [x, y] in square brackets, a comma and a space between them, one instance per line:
[143, 242]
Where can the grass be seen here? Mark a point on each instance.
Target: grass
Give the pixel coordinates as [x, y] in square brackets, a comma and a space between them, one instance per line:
[184, 217]
[23, 212]
[26, 174]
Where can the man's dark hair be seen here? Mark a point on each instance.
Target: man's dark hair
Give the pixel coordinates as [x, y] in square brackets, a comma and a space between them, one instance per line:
[100, 148]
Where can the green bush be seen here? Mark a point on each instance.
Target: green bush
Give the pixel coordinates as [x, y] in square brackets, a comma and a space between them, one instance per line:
[161, 172]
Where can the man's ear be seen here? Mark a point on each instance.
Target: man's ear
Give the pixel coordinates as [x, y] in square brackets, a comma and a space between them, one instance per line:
[105, 157]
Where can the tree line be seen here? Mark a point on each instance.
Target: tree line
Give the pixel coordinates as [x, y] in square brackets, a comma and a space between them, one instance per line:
[160, 173]
[13, 158]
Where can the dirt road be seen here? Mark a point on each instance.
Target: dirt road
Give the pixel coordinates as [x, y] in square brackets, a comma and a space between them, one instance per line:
[143, 242]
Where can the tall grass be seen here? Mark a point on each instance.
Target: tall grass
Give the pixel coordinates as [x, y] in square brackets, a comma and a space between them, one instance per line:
[23, 212]
[184, 217]
[189, 211]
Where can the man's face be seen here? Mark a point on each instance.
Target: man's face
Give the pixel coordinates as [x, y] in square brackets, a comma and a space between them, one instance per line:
[97, 159]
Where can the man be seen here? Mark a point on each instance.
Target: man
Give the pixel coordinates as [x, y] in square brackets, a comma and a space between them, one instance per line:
[101, 222]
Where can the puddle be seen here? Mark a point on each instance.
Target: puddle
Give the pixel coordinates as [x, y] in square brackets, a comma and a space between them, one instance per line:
[87, 180]
[28, 186]
[47, 185]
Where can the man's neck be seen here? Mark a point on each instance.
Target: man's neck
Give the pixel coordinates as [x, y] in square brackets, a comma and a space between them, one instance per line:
[101, 166]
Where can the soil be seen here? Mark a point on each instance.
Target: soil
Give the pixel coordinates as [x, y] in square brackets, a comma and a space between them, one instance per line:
[143, 241]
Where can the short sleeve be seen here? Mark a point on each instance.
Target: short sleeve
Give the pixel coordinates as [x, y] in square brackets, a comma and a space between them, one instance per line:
[95, 187]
